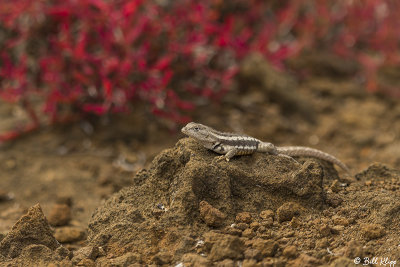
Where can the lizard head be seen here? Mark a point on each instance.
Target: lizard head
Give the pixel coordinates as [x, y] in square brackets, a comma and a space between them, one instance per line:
[199, 132]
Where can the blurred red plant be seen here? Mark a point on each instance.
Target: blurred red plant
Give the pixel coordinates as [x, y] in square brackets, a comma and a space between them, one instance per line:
[363, 30]
[100, 56]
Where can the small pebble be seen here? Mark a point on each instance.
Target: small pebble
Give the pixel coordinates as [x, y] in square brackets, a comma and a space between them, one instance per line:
[288, 210]
[254, 225]
[69, 234]
[267, 214]
[210, 215]
[59, 215]
[243, 217]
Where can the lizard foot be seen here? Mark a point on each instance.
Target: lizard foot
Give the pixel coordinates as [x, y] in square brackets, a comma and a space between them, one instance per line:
[221, 158]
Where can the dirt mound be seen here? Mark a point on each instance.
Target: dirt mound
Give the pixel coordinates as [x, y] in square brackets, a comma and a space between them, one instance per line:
[191, 209]
[187, 188]
[31, 242]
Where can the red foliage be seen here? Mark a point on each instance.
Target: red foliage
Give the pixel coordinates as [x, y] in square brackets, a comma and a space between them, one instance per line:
[364, 30]
[100, 56]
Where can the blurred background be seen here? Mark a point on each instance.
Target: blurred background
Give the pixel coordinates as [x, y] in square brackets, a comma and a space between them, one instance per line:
[92, 90]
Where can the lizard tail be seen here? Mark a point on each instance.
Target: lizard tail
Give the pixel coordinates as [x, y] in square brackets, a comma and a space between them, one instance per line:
[302, 151]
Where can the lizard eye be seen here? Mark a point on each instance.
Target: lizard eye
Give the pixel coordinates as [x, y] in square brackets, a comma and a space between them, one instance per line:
[196, 129]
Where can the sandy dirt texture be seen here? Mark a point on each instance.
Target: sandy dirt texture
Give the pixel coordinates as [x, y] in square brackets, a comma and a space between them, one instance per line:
[129, 191]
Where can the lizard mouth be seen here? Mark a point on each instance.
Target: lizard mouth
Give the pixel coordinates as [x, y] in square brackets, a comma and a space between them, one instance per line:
[184, 130]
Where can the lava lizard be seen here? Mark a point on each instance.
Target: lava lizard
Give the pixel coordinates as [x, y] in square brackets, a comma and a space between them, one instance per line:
[232, 144]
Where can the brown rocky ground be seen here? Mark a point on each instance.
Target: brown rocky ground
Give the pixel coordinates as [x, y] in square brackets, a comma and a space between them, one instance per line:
[105, 201]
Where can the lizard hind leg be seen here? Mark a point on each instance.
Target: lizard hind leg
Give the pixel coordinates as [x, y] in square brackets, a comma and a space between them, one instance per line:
[266, 147]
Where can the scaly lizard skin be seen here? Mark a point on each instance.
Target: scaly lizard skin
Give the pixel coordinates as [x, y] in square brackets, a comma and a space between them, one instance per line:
[231, 144]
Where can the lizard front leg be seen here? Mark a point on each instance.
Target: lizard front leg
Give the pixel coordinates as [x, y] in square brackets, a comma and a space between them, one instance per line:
[228, 155]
